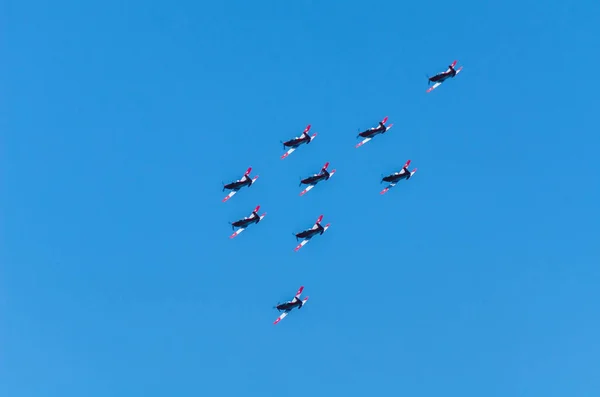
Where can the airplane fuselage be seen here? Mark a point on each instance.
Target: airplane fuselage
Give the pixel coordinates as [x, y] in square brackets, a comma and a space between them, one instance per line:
[310, 232]
[287, 306]
[443, 76]
[370, 133]
[396, 177]
[311, 180]
[238, 184]
[245, 222]
[296, 142]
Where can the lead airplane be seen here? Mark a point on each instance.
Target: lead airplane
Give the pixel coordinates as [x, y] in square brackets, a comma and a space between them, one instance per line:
[439, 78]
[245, 222]
[294, 143]
[287, 307]
[371, 132]
[312, 180]
[310, 233]
[396, 177]
[240, 183]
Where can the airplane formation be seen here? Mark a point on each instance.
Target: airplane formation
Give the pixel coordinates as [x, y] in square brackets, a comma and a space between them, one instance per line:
[317, 229]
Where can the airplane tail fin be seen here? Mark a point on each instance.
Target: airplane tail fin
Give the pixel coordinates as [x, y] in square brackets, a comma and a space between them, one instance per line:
[325, 166]
[319, 219]
[248, 171]
[406, 165]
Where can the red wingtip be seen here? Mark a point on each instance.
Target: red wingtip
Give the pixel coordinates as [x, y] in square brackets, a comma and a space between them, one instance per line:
[320, 219]
[248, 171]
[257, 208]
[326, 165]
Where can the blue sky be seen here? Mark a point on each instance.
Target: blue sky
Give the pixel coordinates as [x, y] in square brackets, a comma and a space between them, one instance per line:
[477, 277]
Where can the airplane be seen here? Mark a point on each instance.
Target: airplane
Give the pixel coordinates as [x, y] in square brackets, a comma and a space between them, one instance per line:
[396, 177]
[310, 233]
[312, 180]
[371, 132]
[247, 221]
[240, 183]
[287, 307]
[439, 78]
[294, 143]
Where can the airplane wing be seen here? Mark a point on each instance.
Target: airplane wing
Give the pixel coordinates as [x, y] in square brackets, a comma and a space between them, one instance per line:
[316, 225]
[359, 144]
[384, 191]
[285, 314]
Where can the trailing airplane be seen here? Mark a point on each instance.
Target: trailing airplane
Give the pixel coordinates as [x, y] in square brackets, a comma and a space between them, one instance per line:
[287, 307]
[310, 233]
[439, 78]
[396, 177]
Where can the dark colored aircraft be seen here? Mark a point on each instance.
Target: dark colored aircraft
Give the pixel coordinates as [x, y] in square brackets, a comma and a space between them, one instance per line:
[245, 222]
[439, 78]
[312, 180]
[396, 177]
[287, 307]
[293, 144]
[310, 233]
[371, 132]
[240, 183]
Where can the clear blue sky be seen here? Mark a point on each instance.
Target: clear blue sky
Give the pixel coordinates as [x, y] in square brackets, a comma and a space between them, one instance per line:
[478, 277]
